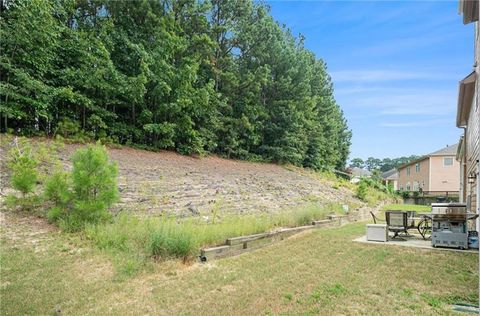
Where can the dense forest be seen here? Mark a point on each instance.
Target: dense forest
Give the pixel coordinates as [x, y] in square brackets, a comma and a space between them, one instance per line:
[196, 76]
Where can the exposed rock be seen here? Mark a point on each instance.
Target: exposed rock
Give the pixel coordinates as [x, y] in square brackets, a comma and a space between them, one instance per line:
[192, 209]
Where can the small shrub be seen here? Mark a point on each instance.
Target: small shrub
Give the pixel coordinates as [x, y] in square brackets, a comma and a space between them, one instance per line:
[390, 189]
[362, 190]
[23, 163]
[67, 128]
[23, 166]
[28, 203]
[405, 194]
[57, 189]
[84, 195]
[55, 213]
[94, 178]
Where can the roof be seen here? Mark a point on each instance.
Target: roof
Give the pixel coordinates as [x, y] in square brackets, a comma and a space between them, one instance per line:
[360, 172]
[469, 9]
[466, 91]
[412, 162]
[446, 151]
[391, 174]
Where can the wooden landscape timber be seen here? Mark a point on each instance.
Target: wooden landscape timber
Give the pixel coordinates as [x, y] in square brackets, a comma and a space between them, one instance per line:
[237, 245]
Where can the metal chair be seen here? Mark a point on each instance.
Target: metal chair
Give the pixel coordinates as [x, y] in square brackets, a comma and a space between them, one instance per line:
[411, 219]
[397, 222]
[376, 220]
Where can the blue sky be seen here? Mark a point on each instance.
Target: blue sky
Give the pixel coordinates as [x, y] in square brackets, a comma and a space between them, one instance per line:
[395, 66]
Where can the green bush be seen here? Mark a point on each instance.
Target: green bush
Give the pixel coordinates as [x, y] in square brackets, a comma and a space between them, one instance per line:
[55, 214]
[94, 178]
[23, 164]
[67, 128]
[362, 190]
[23, 167]
[28, 203]
[57, 189]
[405, 194]
[84, 195]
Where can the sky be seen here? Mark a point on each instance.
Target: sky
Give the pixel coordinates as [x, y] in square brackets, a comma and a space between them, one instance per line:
[395, 67]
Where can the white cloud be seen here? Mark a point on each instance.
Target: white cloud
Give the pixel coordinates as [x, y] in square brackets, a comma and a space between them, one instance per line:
[416, 123]
[403, 102]
[384, 75]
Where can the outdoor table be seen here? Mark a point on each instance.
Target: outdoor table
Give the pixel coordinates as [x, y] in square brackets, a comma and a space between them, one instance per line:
[420, 221]
[424, 224]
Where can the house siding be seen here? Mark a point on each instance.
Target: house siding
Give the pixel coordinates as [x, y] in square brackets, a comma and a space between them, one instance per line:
[421, 177]
[444, 178]
[472, 135]
[473, 130]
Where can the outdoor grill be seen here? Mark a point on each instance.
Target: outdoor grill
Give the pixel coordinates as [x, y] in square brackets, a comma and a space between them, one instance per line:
[450, 225]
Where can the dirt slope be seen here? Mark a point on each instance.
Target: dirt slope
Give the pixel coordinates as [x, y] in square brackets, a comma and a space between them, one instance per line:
[156, 182]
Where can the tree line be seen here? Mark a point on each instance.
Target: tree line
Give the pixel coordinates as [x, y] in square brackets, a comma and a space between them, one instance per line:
[217, 76]
[383, 165]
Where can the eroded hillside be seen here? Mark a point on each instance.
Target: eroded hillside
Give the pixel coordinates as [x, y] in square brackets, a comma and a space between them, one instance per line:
[158, 182]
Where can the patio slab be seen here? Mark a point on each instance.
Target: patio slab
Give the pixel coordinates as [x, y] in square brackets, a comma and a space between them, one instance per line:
[414, 242]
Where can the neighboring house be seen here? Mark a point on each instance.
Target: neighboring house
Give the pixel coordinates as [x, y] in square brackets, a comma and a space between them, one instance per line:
[390, 177]
[468, 117]
[357, 173]
[436, 173]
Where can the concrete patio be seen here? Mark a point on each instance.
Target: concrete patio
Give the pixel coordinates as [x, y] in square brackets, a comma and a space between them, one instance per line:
[415, 241]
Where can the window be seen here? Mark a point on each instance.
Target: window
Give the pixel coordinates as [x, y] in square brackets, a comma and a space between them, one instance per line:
[415, 186]
[408, 171]
[401, 187]
[417, 167]
[408, 186]
[448, 161]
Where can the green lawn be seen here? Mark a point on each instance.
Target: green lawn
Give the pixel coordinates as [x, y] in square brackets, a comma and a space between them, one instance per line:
[318, 272]
[406, 207]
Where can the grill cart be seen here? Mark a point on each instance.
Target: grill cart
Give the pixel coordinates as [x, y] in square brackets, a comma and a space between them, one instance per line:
[450, 225]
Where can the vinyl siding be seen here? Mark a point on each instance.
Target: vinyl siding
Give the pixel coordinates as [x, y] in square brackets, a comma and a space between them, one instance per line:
[474, 119]
[473, 130]
[422, 177]
[444, 178]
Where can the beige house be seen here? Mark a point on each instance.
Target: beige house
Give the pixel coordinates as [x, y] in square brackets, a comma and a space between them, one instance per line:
[436, 173]
[390, 178]
[468, 116]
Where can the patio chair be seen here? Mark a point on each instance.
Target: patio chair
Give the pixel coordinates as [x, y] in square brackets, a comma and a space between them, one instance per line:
[411, 219]
[397, 222]
[376, 220]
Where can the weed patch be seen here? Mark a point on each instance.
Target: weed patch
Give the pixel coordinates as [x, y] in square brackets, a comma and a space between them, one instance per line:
[162, 238]
[431, 300]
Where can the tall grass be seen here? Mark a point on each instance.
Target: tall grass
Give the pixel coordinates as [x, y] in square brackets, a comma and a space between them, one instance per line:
[163, 238]
[374, 196]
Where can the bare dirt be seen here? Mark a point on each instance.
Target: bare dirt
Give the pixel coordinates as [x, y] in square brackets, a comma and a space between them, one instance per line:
[152, 183]
[156, 182]
[26, 231]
